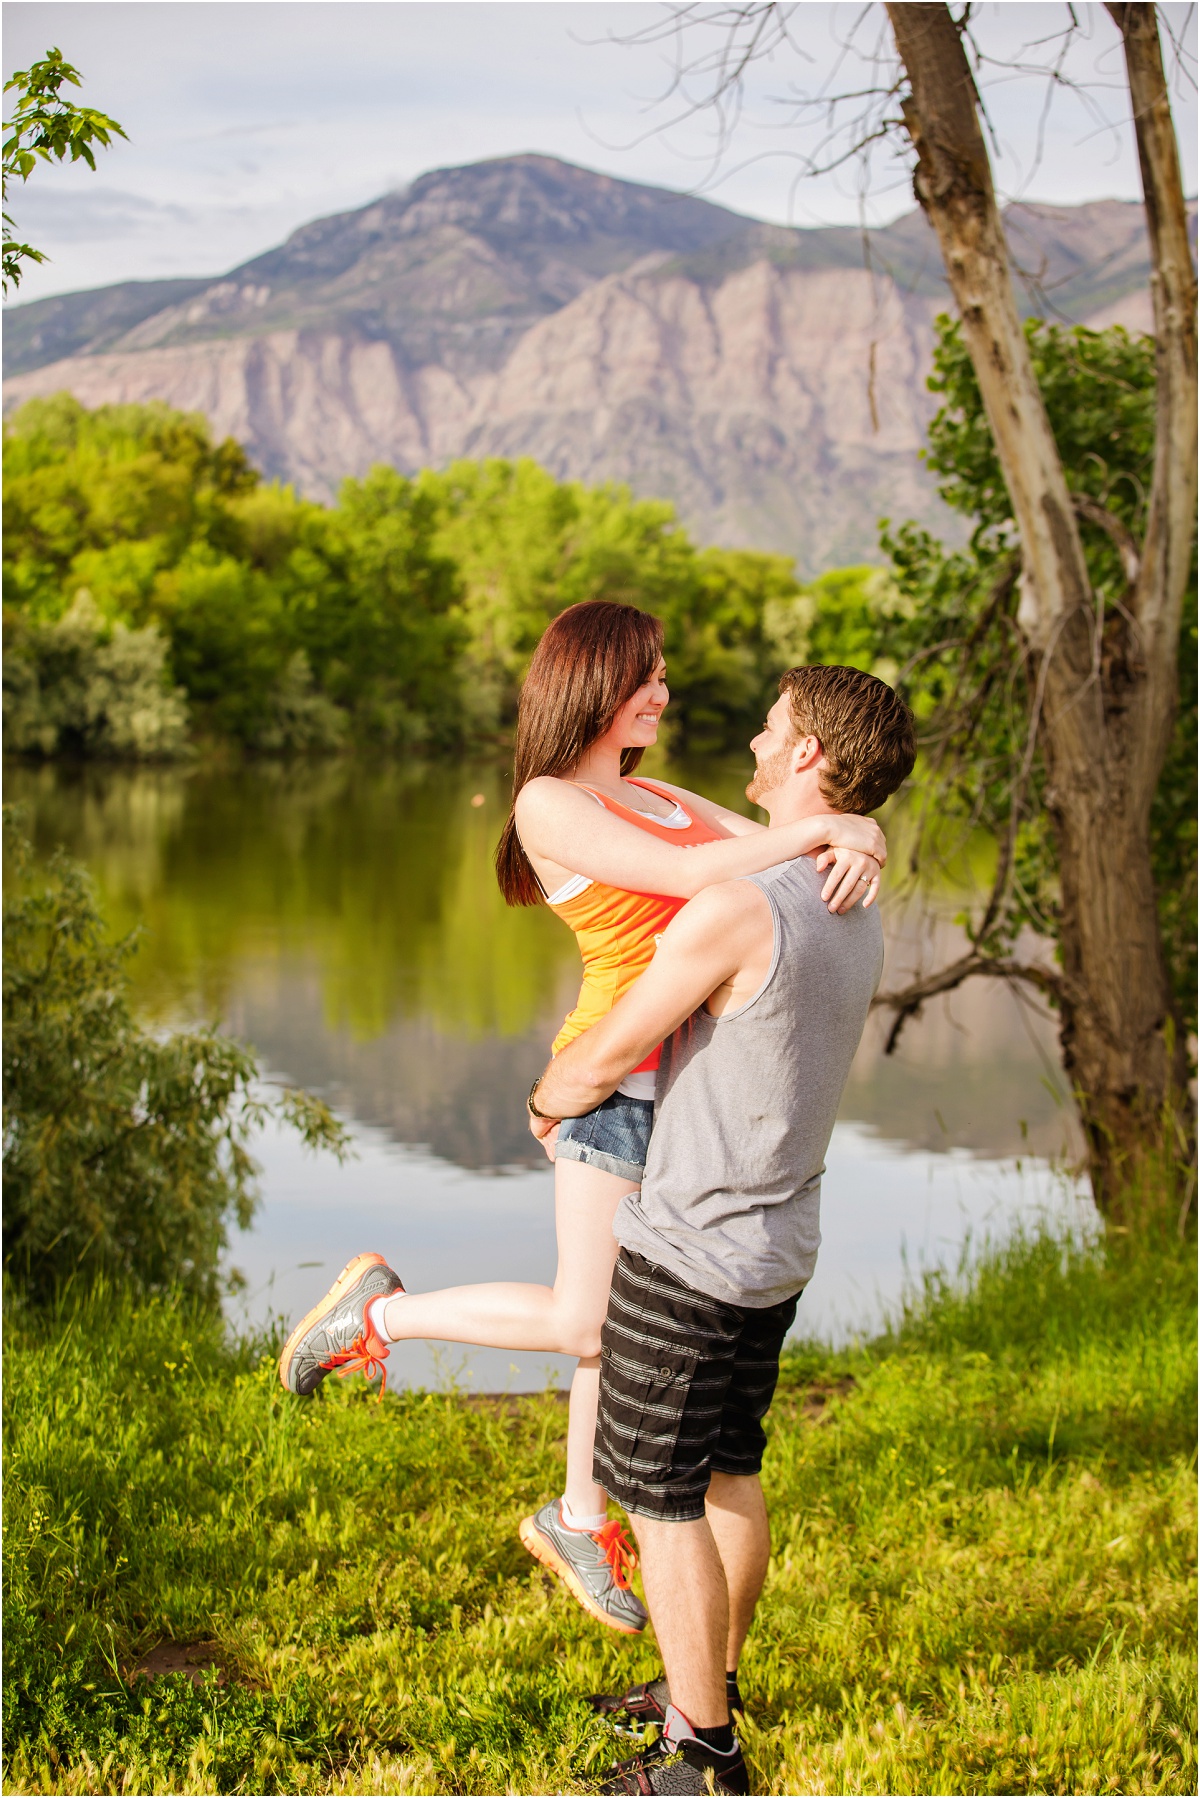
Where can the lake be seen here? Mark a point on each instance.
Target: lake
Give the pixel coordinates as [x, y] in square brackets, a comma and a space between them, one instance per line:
[342, 916]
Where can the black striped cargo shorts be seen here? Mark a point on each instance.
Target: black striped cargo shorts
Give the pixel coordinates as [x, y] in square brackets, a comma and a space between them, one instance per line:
[685, 1382]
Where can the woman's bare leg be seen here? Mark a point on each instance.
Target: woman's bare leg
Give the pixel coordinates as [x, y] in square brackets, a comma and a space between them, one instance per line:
[564, 1318]
[561, 1319]
[584, 1497]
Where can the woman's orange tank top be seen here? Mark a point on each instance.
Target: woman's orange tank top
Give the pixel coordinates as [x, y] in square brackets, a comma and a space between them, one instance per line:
[617, 931]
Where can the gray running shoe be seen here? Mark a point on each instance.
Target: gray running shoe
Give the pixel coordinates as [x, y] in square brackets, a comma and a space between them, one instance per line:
[334, 1336]
[593, 1566]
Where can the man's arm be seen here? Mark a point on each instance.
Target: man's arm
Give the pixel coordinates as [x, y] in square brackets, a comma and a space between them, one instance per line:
[720, 934]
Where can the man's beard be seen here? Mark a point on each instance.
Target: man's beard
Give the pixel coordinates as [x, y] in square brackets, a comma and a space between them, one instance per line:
[768, 775]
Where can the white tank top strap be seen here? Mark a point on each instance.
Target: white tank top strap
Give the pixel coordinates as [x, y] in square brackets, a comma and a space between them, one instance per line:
[676, 820]
[570, 889]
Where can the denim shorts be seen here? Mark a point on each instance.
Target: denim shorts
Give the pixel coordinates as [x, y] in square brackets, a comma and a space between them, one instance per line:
[614, 1137]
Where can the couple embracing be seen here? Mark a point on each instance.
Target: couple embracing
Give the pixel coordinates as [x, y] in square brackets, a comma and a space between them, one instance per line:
[687, 1107]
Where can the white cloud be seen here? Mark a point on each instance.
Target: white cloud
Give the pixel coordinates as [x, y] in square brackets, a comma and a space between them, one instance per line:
[249, 118]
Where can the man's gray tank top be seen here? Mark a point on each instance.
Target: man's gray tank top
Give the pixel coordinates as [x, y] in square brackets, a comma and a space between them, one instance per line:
[731, 1199]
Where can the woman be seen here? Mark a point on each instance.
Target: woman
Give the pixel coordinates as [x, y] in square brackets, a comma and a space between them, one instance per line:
[615, 858]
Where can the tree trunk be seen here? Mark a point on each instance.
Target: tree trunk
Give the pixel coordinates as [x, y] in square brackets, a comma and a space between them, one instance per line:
[1107, 688]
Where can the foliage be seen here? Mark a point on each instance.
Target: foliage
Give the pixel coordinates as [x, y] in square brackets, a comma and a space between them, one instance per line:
[406, 614]
[722, 662]
[88, 687]
[845, 616]
[289, 625]
[955, 626]
[381, 626]
[46, 127]
[527, 546]
[124, 1151]
[982, 1577]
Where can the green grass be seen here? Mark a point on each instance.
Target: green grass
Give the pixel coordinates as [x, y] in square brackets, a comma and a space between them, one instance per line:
[982, 1581]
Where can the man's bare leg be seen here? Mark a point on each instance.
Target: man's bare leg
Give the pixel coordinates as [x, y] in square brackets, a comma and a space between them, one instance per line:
[702, 1583]
[737, 1515]
[689, 1607]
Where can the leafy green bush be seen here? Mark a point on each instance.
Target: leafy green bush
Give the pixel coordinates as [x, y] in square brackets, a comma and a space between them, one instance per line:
[107, 499]
[84, 686]
[289, 625]
[125, 1151]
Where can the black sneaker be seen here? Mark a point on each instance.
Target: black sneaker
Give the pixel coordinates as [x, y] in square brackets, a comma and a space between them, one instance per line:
[633, 1712]
[686, 1767]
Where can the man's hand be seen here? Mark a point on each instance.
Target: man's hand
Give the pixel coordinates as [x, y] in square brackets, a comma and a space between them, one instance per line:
[546, 1131]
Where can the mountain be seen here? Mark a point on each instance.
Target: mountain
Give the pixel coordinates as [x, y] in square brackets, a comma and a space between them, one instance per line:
[770, 381]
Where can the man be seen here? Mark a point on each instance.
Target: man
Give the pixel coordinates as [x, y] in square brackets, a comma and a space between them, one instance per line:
[761, 997]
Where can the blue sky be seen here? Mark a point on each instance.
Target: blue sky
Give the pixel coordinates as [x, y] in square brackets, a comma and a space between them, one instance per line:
[249, 117]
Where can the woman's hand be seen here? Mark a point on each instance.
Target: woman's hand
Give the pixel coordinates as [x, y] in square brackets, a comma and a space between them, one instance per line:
[846, 830]
[854, 875]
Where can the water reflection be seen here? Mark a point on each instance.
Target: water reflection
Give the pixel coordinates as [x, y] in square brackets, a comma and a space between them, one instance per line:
[885, 1215]
[379, 878]
[344, 919]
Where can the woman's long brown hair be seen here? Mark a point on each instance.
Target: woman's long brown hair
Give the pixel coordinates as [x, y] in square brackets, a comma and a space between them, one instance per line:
[591, 660]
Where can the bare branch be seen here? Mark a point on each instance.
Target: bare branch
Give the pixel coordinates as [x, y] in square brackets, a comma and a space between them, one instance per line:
[1091, 509]
[908, 1001]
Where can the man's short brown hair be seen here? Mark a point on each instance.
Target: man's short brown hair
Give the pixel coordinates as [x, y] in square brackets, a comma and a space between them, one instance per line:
[863, 727]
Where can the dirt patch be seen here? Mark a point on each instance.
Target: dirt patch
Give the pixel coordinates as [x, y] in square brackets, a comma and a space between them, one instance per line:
[811, 1403]
[193, 1659]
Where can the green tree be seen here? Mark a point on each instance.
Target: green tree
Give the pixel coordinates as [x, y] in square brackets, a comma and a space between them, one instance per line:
[125, 1152]
[290, 625]
[45, 127]
[403, 616]
[109, 499]
[975, 688]
[723, 660]
[1105, 690]
[842, 617]
[527, 546]
[375, 603]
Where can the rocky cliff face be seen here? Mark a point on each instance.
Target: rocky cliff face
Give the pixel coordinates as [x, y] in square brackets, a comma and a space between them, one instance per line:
[762, 379]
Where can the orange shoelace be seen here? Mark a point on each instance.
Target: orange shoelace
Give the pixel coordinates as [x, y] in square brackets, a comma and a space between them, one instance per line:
[618, 1552]
[366, 1355]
